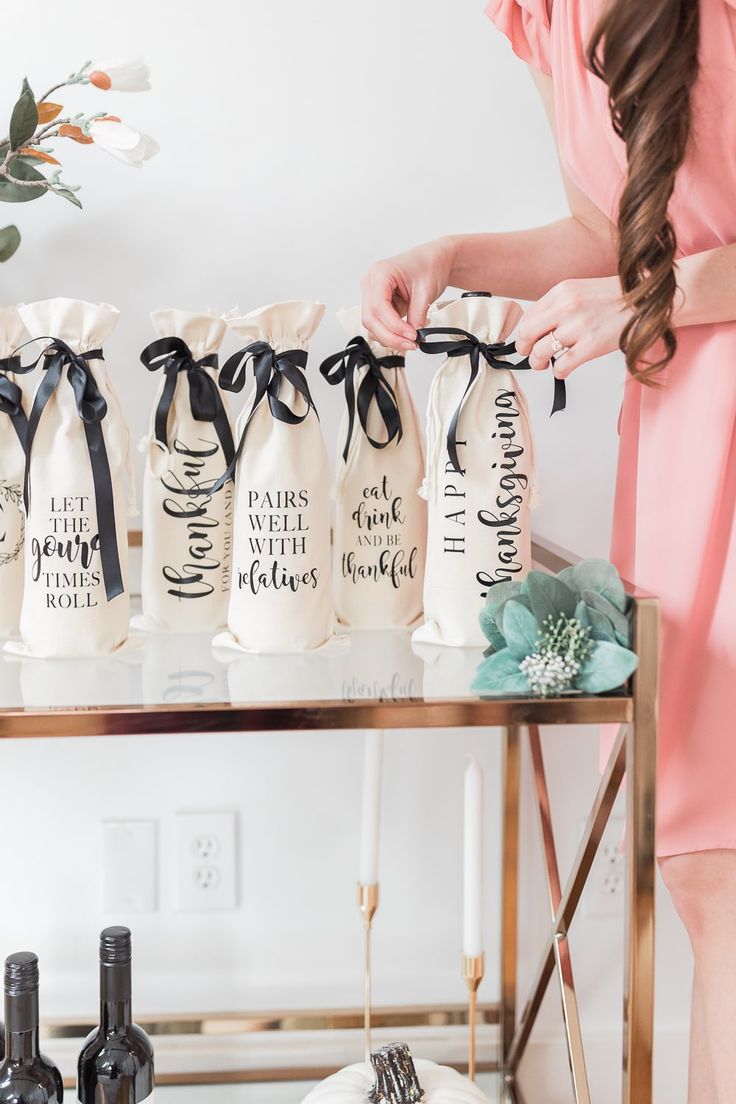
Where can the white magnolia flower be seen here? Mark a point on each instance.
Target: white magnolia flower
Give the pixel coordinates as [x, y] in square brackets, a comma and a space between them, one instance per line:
[130, 75]
[123, 142]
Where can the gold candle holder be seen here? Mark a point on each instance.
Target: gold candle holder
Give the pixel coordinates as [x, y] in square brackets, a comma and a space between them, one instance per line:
[474, 967]
[367, 903]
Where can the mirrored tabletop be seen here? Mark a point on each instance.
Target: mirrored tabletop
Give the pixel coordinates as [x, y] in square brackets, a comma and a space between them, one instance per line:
[170, 683]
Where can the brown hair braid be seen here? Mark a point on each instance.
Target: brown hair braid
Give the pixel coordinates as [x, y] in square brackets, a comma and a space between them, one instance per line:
[647, 53]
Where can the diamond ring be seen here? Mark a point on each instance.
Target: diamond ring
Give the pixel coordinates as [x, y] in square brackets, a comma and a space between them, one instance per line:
[557, 345]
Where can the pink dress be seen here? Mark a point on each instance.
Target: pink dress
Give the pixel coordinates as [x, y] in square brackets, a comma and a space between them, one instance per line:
[674, 521]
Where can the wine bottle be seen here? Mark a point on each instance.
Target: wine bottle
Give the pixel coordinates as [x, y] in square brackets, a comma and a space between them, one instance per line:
[116, 1063]
[26, 1077]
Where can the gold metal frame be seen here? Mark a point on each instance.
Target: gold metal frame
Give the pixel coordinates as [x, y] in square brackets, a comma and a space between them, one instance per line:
[634, 754]
[326, 1019]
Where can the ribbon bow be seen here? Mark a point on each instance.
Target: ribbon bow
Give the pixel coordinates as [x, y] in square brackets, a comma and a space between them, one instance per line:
[270, 369]
[92, 409]
[174, 356]
[341, 367]
[467, 344]
[11, 398]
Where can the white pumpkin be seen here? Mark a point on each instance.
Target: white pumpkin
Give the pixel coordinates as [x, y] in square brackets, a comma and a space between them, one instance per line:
[353, 1084]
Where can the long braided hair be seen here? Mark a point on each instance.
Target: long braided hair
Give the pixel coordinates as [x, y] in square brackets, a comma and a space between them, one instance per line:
[646, 51]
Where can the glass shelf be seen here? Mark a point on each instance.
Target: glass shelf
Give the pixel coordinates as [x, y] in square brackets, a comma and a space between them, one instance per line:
[168, 683]
[171, 683]
[272, 1093]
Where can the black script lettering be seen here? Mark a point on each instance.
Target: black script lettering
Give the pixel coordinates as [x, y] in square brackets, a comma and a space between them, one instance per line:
[276, 578]
[190, 501]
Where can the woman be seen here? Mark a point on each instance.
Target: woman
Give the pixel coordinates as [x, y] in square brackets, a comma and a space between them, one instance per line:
[642, 96]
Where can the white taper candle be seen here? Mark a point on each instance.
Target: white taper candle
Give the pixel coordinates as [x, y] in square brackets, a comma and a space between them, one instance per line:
[473, 861]
[372, 776]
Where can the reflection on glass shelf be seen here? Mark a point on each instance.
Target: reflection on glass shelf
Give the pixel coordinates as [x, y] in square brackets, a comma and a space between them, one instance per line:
[172, 669]
[284, 1093]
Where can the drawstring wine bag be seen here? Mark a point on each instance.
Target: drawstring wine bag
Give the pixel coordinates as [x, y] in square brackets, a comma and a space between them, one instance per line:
[187, 526]
[281, 599]
[75, 600]
[13, 430]
[480, 467]
[380, 536]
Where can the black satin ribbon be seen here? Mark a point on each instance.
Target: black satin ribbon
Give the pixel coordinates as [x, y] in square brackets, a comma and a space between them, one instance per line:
[58, 360]
[270, 369]
[173, 355]
[374, 387]
[467, 344]
[11, 397]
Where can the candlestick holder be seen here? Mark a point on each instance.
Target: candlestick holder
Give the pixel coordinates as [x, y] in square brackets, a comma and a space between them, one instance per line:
[474, 968]
[368, 904]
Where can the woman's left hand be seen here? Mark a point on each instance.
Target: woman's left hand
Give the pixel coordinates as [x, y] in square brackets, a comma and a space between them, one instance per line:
[586, 316]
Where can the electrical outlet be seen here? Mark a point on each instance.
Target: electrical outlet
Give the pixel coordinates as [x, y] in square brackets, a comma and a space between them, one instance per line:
[606, 889]
[207, 867]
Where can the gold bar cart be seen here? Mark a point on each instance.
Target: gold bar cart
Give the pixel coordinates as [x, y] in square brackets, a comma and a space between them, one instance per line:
[633, 755]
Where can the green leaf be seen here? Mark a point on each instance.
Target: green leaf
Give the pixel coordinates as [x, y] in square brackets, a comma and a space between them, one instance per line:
[493, 635]
[567, 576]
[521, 629]
[66, 194]
[9, 242]
[497, 595]
[549, 597]
[620, 622]
[500, 674]
[15, 193]
[602, 577]
[24, 120]
[520, 598]
[608, 666]
[581, 615]
[501, 592]
[599, 625]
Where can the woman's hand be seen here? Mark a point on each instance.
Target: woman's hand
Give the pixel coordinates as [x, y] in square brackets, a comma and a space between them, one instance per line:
[397, 292]
[587, 316]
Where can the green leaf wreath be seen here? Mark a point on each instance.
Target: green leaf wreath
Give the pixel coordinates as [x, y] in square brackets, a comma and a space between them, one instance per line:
[554, 635]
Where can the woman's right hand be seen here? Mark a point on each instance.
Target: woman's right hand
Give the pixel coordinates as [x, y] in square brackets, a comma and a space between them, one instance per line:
[397, 292]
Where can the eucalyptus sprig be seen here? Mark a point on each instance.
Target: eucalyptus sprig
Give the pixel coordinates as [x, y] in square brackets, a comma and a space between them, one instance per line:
[36, 123]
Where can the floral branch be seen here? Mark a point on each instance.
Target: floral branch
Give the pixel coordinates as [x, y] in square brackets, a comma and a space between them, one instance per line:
[74, 78]
[36, 122]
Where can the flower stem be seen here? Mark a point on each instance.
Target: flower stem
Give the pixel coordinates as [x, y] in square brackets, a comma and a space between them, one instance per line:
[55, 88]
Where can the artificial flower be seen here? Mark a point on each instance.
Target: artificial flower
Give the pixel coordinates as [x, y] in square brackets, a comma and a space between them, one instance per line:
[122, 142]
[67, 130]
[130, 75]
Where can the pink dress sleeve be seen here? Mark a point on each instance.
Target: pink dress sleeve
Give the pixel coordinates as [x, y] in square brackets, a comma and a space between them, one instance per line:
[526, 25]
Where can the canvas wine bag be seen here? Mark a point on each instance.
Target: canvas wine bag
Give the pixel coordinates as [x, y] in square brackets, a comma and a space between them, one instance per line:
[380, 535]
[13, 430]
[281, 598]
[187, 526]
[480, 468]
[75, 601]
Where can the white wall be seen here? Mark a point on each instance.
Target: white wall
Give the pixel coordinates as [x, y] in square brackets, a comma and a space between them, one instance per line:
[299, 142]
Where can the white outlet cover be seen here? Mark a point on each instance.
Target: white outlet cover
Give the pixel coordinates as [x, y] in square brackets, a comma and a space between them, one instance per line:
[129, 865]
[605, 892]
[207, 861]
